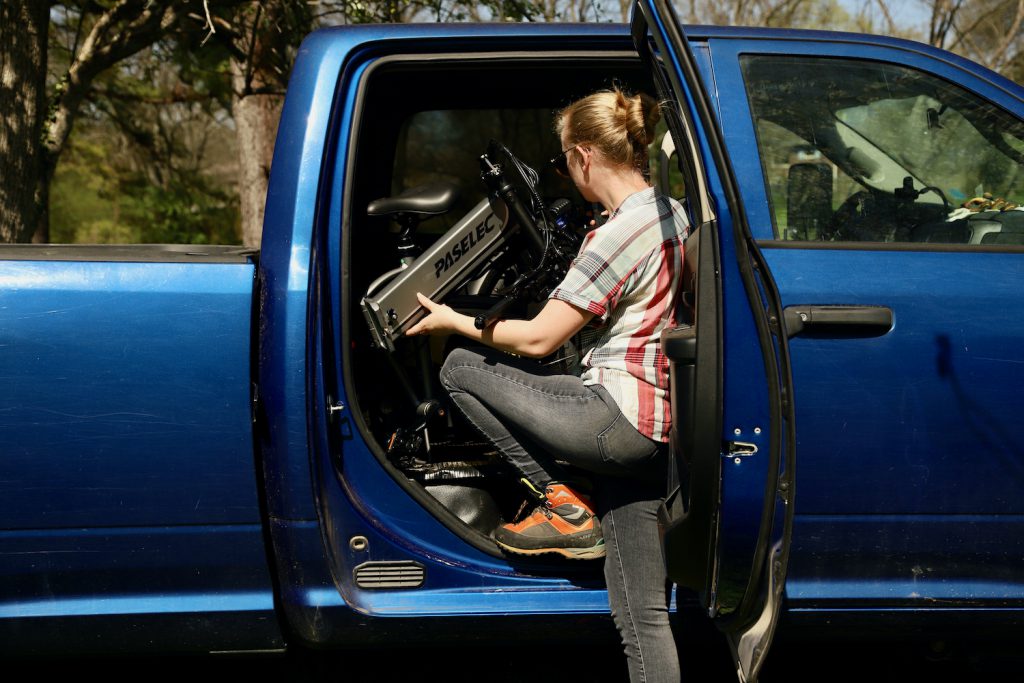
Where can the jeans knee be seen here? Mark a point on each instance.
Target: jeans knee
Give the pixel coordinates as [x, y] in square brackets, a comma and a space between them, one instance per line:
[458, 358]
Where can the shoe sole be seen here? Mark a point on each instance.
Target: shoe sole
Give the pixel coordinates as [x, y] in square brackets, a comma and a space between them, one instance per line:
[595, 553]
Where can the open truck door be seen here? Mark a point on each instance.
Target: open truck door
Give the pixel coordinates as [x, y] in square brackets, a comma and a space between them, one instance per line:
[728, 519]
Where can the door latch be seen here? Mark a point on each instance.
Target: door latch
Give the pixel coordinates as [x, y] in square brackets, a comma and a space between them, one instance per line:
[334, 407]
[740, 449]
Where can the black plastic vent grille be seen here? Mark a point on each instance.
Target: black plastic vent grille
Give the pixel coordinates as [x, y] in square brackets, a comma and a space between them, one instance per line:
[390, 575]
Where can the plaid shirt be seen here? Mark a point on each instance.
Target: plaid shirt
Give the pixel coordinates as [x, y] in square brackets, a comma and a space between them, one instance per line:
[627, 274]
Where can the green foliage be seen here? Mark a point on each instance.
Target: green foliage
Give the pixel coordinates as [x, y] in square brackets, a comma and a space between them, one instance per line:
[98, 198]
[80, 210]
[151, 158]
[187, 212]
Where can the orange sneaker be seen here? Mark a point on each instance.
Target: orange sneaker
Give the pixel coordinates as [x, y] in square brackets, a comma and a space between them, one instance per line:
[564, 523]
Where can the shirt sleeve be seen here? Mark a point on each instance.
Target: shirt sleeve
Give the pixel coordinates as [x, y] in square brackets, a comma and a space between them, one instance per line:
[592, 282]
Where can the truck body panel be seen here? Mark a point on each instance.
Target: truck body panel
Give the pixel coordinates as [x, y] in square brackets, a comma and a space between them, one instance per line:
[128, 465]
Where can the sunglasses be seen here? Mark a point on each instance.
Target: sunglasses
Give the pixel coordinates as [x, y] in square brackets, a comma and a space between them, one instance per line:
[561, 162]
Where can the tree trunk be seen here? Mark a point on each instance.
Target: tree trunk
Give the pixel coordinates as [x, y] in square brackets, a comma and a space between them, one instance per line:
[24, 171]
[256, 117]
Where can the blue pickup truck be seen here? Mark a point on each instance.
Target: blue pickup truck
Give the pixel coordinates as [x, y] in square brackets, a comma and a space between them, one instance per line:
[214, 449]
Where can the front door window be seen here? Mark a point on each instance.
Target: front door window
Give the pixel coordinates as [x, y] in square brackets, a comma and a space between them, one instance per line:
[857, 151]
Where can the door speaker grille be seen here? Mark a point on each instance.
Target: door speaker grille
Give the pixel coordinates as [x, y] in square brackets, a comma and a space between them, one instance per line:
[390, 575]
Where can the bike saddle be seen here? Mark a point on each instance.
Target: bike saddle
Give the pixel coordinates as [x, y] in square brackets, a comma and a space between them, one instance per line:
[423, 200]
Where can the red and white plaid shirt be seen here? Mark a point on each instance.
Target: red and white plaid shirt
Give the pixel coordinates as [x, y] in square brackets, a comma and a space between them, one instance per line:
[628, 274]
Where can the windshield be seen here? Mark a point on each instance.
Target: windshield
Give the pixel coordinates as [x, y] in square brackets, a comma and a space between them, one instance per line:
[938, 145]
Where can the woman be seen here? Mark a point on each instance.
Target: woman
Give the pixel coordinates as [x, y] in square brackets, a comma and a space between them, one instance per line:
[614, 419]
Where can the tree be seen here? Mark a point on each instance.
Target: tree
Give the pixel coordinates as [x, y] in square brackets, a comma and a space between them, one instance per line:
[262, 38]
[772, 13]
[145, 162]
[37, 123]
[23, 31]
[164, 76]
[92, 49]
[986, 31]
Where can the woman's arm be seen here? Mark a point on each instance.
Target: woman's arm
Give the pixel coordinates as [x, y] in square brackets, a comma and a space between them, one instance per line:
[535, 338]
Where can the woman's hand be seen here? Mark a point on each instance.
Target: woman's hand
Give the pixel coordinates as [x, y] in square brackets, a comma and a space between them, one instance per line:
[440, 319]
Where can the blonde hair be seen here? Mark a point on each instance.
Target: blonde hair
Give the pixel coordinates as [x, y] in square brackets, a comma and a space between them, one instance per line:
[621, 126]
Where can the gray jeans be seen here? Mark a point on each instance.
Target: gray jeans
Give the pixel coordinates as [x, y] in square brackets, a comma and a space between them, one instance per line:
[534, 418]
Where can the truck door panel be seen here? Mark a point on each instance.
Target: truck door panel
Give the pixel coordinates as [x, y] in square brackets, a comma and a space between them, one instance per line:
[734, 500]
[910, 478]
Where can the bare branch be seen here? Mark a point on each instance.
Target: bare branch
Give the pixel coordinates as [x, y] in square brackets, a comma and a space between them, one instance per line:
[209, 23]
[1010, 35]
[247, 87]
[942, 21]
[965, 35]
[78, 32]
[781, 13]
[887, 15]
[624, 7]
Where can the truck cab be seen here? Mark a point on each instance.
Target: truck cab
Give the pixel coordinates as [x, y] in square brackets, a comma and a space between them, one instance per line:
[852, 279]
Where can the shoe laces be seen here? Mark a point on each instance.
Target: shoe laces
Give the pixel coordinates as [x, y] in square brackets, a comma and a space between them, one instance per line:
[525, 511]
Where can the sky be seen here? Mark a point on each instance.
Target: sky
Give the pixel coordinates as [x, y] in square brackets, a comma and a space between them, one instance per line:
[910, 13]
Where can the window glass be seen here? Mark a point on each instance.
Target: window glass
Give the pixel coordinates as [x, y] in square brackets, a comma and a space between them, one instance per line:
[665, 172]
[865, 151]
[445, 145]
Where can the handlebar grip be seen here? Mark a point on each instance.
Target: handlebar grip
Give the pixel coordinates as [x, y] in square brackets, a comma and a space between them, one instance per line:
[493, 314]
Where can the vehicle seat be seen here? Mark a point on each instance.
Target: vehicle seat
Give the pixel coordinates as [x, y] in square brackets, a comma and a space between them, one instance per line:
[430, 199]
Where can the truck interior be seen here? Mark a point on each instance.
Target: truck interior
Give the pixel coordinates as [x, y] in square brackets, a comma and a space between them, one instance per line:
[427, 144]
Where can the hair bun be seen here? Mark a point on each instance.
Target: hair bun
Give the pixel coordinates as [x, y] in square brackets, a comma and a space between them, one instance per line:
[621, 126]
[643, 115]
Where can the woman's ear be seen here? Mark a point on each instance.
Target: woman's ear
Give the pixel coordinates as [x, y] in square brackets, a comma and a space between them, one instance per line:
[586, 156]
